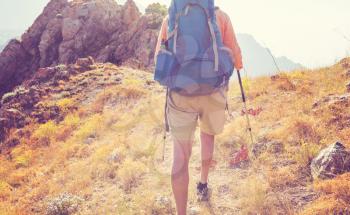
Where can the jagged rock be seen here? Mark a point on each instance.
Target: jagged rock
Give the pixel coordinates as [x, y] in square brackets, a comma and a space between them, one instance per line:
[20, 59]
[69, 30]
[330, 162]
[43, 75]
[14, 65]
[84, 64]
[348, 87]
[267, 146]
[130, 12]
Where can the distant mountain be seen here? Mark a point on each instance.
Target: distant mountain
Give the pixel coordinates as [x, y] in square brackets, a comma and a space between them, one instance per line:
[258, 61]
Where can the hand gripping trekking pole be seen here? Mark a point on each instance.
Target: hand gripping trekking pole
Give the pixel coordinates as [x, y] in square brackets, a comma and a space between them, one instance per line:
[245, 106]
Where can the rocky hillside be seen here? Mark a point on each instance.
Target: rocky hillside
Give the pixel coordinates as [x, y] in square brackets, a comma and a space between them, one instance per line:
[86, 138]
[67, 30]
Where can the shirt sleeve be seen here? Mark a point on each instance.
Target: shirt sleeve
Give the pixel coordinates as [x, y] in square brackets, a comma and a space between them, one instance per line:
[230, 40]
[161, 37]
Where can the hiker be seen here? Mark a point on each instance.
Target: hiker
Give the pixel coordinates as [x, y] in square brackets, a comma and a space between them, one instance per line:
[196, 75]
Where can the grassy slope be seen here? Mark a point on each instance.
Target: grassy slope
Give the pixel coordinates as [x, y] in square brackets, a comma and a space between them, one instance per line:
[108, 151]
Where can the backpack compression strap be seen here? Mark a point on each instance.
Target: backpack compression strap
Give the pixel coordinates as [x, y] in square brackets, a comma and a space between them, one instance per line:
[174, 33]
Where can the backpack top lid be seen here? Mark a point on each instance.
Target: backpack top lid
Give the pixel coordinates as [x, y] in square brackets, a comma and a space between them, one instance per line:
[177, 6]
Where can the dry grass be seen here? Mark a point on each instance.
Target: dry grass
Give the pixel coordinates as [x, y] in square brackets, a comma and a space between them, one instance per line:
[130, 173]
[281, 178]
[335, 199]
[45, 133]
[253, 196]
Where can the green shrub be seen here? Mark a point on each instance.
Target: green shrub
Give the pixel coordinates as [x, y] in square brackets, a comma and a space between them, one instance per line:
[157, 8]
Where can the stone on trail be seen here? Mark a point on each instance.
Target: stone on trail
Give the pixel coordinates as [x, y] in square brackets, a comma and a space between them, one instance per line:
[194, 211]
[331, 161]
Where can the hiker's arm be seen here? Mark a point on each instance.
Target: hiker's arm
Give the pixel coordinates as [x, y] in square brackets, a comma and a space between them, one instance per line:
[161, 37]
[230, 40]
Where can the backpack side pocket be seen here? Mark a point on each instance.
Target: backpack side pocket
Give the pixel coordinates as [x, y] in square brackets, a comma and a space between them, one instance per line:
[226, 65]
[166, 66]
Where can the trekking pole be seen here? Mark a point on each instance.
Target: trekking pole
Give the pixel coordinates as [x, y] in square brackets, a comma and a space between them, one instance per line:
[167, 128]
[245, 106]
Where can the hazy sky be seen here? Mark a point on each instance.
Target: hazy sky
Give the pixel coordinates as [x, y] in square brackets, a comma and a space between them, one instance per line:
[307, 31]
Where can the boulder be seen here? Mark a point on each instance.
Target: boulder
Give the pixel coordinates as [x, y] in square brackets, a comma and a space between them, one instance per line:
[85, 63]
[43, 75]
[330, 162]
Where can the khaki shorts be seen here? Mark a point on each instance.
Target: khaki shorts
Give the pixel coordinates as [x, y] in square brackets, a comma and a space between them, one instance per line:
[184, 112]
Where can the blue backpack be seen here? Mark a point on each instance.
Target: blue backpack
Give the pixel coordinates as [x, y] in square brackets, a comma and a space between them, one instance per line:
[193, 60]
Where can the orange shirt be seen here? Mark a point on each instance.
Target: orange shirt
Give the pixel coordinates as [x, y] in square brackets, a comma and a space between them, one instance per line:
[227, 33]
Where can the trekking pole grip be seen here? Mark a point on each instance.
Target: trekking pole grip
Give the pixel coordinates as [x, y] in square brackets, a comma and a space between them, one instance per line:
[241, 85]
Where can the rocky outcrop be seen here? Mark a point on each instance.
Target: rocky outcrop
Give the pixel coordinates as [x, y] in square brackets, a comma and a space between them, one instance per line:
[330, 162]
[68, 30]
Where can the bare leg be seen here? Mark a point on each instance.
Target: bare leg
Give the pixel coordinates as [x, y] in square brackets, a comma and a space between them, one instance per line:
[207, 150]
[180, 176]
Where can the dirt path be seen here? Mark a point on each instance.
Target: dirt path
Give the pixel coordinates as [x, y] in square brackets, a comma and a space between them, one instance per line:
[223, 181]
